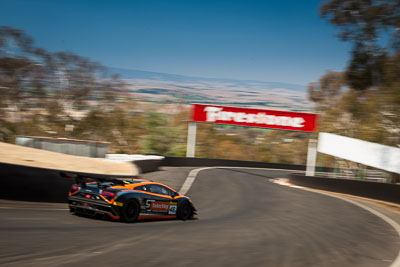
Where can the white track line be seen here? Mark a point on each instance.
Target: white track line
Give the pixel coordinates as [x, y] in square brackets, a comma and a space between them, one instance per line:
[192, 176]
[394, 224]
[190, 179]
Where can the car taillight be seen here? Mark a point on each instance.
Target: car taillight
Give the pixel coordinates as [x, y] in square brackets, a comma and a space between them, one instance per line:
[108, 194]
[74, 188]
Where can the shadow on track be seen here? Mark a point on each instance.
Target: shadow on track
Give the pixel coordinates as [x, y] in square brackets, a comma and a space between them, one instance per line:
[107, 219]
[246, 172]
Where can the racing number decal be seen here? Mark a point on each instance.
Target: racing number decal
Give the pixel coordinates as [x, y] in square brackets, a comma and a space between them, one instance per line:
[148, 203]
[172, 208]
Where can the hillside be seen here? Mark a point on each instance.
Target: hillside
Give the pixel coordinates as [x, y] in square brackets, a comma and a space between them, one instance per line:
[165, 87]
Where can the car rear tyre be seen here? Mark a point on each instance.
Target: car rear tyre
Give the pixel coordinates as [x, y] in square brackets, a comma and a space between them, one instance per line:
[185, 211]
[130, 211]
[72, 210]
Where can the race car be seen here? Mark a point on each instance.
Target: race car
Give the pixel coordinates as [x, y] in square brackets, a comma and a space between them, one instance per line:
[127, 199]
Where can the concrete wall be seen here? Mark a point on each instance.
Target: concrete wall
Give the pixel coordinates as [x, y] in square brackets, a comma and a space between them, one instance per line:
[375, 190]
[25, 183]
[20, 182]
[207, 162]
[82, 148]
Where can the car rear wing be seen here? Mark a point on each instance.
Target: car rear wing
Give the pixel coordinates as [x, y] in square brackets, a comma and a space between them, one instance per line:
[83, 179]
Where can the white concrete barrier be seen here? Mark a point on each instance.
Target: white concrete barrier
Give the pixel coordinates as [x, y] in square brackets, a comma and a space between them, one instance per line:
[371, 154]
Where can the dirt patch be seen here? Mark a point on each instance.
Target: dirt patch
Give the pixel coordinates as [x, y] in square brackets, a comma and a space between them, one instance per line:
[33, 157]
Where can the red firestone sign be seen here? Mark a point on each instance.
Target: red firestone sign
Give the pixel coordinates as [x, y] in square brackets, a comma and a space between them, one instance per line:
[274, 119]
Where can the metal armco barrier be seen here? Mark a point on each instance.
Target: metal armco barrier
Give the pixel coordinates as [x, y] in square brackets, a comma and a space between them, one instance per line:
[25, 183]
[380, 191]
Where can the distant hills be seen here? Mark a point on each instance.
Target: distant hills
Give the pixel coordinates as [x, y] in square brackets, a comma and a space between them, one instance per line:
[140, 74]
[156, 86]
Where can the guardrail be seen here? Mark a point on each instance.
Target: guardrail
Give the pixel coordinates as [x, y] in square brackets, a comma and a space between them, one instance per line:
[26, 183]
[369, 189]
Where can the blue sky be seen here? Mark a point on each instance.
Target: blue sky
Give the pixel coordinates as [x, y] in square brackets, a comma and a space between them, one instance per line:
[275, 40]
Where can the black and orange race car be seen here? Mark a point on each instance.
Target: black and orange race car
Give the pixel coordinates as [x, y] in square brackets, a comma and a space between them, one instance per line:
[128, 200]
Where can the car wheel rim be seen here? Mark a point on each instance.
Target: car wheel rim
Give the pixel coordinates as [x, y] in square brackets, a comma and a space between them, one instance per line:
[131, 210]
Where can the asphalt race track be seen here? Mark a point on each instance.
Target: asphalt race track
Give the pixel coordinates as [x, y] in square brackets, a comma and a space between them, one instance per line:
[243, 220]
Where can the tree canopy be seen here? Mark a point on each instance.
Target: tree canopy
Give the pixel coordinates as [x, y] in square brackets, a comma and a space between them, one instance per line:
[373, 27]
[33, 71]
[363, 101]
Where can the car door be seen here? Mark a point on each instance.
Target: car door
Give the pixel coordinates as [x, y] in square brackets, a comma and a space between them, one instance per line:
[159, 200]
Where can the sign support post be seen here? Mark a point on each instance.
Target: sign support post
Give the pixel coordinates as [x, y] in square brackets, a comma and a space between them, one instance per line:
[191, 140]
[311, 157]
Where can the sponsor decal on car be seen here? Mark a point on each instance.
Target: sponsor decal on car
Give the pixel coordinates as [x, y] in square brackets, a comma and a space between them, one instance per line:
[159, 206]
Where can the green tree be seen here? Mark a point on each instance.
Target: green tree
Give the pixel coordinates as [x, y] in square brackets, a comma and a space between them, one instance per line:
[60, 82]
[367, 107]
[162, 137]
[373, 26]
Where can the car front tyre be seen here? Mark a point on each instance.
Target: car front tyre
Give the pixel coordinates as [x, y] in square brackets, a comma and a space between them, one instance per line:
[185, 211]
